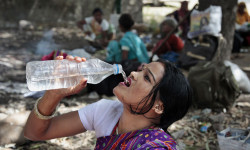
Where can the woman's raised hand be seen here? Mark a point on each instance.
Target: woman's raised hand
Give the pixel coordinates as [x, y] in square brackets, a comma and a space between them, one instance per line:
[71, 90]
[40, 127]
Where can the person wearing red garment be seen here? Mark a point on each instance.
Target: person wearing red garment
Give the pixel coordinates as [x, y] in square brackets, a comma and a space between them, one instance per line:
[174, 43]
[179, 15]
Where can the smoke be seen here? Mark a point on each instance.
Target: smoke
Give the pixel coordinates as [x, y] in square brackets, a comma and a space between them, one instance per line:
[47, 44]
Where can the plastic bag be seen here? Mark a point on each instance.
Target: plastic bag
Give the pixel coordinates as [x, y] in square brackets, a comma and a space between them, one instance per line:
[232, 139]
[243, 28]
[80, 52]
[205, 22]
[240, 77]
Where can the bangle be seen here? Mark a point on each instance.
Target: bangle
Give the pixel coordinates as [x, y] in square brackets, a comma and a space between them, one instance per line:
[39, 115]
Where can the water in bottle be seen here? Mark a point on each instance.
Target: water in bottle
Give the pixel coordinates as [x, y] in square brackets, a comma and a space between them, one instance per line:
[125, 78]
[55, 74]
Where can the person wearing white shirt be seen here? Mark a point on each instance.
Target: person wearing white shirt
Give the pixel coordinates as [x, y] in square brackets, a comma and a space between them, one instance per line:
[154, 98]
[97, 29]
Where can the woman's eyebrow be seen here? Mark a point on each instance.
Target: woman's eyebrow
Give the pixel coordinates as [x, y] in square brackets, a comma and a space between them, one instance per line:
[150, 73]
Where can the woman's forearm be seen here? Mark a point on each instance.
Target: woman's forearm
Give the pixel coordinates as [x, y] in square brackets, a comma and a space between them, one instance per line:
[36, 127]
[42, 125]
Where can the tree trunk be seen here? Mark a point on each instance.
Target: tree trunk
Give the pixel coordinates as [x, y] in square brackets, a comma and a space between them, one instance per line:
[227, 26]
[133, 7]
[53, 13]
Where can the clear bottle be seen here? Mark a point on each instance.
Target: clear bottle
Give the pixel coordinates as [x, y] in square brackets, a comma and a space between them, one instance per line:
[55, 74]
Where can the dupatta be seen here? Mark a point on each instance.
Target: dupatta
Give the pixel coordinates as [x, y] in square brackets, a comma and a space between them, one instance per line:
[139, 140]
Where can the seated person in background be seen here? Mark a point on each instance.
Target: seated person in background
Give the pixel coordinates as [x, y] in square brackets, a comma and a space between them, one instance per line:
[242, 34]
[173, 44]
[54, 54]
[242, 15]
[97, 29]
[157, 96]
[130, 51]
[130, 46]
[179, 15]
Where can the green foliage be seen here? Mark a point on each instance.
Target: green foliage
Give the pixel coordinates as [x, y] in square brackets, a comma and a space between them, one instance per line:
[153, 26]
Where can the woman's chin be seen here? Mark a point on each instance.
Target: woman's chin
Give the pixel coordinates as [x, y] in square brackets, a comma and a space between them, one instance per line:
[117, 93]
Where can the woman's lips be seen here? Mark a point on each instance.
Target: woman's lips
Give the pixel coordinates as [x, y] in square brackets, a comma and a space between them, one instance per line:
[129, 81]
[122, 83]
[126, 84]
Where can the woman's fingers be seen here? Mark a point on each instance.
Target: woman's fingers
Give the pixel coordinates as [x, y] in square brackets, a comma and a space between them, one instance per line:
[77, 59]
[83, 83]
[83, 59]
[80, 86]
[77, 88]
[69, 57]
[59, 58]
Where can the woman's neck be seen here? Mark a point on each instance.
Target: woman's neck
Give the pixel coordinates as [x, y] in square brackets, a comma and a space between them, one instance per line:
[131, 122]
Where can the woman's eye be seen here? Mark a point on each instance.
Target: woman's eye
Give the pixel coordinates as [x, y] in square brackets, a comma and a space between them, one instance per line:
[141, 69]
[147, 78]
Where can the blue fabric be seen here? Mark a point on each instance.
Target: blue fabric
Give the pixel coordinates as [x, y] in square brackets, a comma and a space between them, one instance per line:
[137, 49]
[114, 52]
[170, 56]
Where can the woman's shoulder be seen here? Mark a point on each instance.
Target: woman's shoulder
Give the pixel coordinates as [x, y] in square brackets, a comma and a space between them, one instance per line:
[104, 106]
[128, 36]
[105, 21]
[89, 19]
[109, 104]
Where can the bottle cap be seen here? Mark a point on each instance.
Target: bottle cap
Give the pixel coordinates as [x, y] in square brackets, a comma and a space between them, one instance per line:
[117, 68]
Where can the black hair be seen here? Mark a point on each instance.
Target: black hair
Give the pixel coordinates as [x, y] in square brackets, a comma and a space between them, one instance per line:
[126, 21]
[97, 10]
[204, 22]
[175, 93]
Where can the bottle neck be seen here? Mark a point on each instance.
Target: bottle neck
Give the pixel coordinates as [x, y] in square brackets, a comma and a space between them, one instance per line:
[117, 69]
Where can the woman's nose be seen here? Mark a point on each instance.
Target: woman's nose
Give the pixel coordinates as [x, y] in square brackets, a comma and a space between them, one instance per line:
[133, 75]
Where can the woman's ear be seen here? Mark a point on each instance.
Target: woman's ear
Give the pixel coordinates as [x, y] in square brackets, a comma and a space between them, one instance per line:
[158, 107]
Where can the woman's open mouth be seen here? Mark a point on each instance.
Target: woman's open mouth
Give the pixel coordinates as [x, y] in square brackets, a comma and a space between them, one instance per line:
[127, 83]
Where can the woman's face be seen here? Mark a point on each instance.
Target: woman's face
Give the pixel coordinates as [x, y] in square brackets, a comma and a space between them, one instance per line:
[241, 8]
[141, 83]
[166, 28]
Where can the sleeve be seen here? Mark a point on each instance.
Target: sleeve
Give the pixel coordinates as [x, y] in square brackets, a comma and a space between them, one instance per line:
[105, 25]
[100, 115]
[125, 44]
[165, 47]
[86, 115]
[88, 20]
[176, 43]
[113, 52]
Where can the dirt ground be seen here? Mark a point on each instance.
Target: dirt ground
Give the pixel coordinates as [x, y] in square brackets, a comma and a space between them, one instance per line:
[19, 47]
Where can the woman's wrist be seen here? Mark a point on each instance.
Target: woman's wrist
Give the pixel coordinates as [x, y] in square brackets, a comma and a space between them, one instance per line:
[41, 116]
[53, 95]
[47, 104]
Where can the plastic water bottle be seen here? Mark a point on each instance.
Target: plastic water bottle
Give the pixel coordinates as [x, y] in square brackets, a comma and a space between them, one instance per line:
[55, 74]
